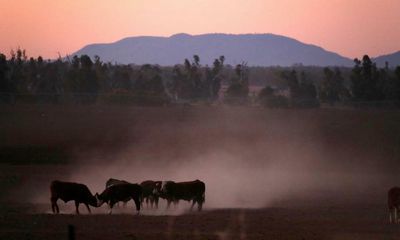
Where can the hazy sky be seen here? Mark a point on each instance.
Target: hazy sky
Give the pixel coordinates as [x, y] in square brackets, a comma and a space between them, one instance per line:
[349, 27]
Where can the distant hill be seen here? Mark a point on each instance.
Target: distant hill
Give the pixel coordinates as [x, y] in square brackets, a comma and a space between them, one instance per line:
[393, 59]
[255, 49]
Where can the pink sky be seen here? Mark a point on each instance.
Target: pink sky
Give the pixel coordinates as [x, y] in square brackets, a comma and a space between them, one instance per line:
[348, 27]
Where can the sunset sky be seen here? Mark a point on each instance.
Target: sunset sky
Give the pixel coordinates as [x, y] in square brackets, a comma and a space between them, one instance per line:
[348, 27]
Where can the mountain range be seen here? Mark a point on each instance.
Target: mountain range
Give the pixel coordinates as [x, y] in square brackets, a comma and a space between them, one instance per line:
[392, 59]
[254, 49]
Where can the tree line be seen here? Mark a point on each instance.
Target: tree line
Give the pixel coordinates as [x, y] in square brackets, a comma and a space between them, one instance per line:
[83, 80]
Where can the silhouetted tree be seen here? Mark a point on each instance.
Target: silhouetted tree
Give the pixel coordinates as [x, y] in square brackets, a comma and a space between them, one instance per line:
[149, 87]
[395, 84]
[238, 90]
[366, 85]
[187, 82]
[308, 92]
[17, 72]
[102, 75]
[5, 85]
[303, 93]
[292, 83]
[331, 87]
[213, 80]
[82, 80]
[121, 77]
[268, 98]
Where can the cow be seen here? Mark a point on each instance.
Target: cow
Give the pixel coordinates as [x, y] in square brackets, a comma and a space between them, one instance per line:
[68, 191]
[393, 203]
[120, 192]
[151, 191]
[188, 191]
[113, 181]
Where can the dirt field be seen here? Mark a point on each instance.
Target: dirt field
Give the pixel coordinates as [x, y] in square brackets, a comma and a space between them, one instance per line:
[269, 174]
[270, 223]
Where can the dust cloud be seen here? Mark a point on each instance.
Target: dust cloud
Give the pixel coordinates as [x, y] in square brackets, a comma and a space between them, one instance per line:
[248, 158]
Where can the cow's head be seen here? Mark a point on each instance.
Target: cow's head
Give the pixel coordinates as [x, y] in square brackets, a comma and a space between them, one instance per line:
[99, 199]
[165, 188]
[93, 201]
[157, 188]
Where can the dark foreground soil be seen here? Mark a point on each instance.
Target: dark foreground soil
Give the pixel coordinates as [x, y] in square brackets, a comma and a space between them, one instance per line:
[345, 222]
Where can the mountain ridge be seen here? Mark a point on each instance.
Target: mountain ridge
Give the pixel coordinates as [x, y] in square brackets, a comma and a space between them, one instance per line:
[392, 58]
[256, 49]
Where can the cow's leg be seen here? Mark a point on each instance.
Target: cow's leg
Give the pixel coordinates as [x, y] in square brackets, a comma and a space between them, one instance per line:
[168, 203]
[194, 202]
[176, 204]
[390, 215]
[137, 203]
[57, 208]
[88, 208]
[200, 202]
[111, 205]
[156, 202]
[77, 207]
[151, 202]
[54, 206]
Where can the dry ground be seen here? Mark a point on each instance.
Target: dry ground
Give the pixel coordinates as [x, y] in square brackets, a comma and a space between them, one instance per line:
[270, 174]
[345, 222]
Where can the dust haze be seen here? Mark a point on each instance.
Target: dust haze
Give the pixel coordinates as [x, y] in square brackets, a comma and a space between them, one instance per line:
[248, 158]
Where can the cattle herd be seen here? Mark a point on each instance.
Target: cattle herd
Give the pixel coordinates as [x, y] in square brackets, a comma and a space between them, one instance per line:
[148, 192]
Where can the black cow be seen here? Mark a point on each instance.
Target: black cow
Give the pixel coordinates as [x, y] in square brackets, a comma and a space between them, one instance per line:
[68, 191]
[151, 192]
[120, 192]
[113, 181]
[188, 191]
[393, 203]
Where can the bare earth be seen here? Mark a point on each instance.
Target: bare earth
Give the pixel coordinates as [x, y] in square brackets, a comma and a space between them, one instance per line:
[344, 222]
[270, 174]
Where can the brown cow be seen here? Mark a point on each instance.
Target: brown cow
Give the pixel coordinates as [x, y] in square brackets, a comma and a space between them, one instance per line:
[151, 192]
[68, 191]
[188, 191]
